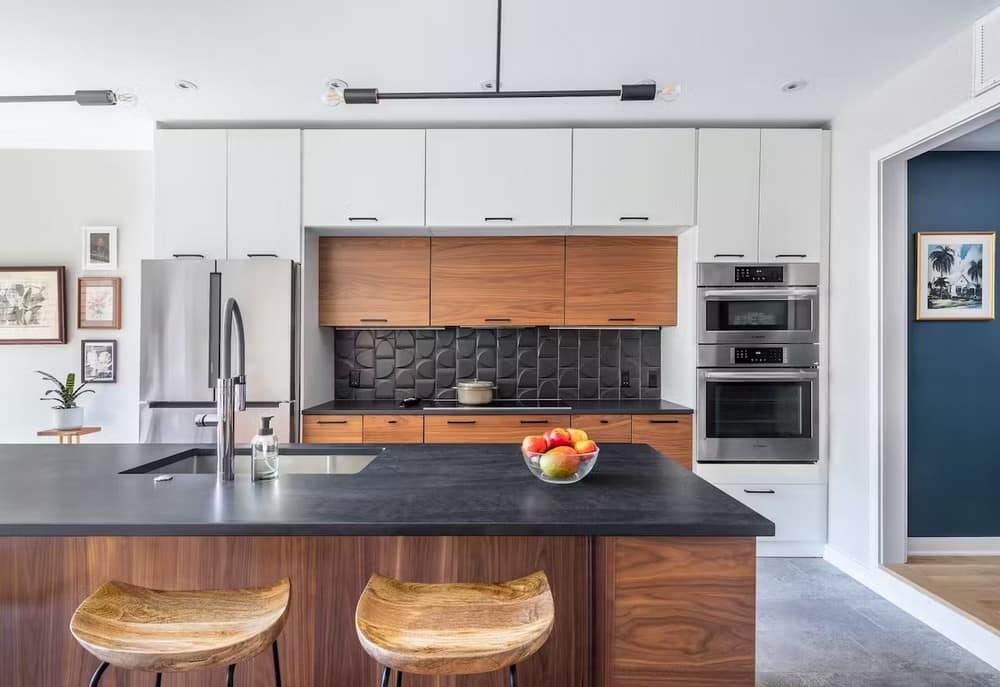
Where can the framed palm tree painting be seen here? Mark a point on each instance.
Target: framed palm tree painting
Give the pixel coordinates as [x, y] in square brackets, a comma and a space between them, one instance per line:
[956, 275]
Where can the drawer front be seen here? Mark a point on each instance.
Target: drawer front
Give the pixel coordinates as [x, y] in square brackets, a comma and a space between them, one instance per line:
[797, 510]
[332, 429]
[605, 428]
[486, 429]
[394, 429]
[671, 435]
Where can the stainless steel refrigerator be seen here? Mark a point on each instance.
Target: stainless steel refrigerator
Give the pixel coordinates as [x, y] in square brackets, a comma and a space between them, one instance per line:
[180, 339]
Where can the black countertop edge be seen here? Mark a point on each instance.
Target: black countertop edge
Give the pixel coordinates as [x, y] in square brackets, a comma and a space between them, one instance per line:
[625, 407]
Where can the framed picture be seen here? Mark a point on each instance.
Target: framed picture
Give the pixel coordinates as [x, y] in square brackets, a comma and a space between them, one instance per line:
[32, 305]
[956, 275]
[100, 248]
[99, 301]
[98, 361]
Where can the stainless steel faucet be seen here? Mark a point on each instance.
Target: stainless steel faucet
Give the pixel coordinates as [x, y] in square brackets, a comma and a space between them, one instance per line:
[230, 394]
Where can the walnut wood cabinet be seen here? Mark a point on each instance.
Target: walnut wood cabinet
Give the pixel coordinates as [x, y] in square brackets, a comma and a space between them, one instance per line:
[605, 428]
[332, 429]
[374, 282]
[671, 435]
[393, 429]
[621, 281]
[509, 280]
[487, 429]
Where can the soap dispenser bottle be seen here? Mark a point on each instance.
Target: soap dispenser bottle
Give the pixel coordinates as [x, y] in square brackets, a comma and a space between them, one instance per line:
[264, 449]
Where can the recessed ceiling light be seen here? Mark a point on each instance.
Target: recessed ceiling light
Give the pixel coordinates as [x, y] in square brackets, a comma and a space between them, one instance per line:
[794, 86]
[185, 85]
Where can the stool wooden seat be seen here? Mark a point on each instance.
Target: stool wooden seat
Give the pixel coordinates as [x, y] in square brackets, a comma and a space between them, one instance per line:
[157, 631]
[454, 629]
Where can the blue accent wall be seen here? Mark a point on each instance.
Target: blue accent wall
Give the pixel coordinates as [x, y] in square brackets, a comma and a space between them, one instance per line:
[954, 367]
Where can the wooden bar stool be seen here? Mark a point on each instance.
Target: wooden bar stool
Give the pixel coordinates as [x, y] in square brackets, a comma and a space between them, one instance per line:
[453, 629]
[166, 632]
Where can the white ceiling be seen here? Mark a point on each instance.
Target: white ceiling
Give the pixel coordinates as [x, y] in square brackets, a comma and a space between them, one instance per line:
[268, 61]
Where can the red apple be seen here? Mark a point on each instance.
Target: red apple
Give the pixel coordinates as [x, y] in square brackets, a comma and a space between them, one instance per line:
[558, 436]
[535, 444]
[560, 462]
[586, 449]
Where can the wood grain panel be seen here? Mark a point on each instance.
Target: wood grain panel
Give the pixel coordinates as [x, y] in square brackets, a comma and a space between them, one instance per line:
[605, 428]
[487, 429]
[332, 429]
[671, 435]
[621, 280]
[677, 611]
[43, 579]
[393, 429]
[497, 280]
[374, 282]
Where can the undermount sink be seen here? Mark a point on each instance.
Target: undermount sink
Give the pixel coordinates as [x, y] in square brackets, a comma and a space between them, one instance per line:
[340, 461]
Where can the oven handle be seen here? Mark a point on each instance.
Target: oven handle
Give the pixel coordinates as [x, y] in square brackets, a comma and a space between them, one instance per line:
[761, 375]
[777, 294]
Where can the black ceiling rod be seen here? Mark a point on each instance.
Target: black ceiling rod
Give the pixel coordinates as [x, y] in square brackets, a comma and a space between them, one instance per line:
[496, 84]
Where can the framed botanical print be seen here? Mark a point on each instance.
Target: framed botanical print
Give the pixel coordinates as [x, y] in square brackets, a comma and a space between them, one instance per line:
[99, 303]
[100, 248]
[32, 305]
[956, 275]
[98, 361]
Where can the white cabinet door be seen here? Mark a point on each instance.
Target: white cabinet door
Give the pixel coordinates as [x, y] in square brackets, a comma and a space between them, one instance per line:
[264, 194]
[190, 193]
[499, 177]
[633, 177]
[728, 194]
[793, 204]
[798, 511]
[355, 178]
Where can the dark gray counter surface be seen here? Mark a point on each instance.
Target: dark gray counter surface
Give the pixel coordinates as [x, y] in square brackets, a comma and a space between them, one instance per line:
[636, 407]
[429, 489]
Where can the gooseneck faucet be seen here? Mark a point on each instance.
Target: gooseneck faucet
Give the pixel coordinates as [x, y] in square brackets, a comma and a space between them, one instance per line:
[230, 393]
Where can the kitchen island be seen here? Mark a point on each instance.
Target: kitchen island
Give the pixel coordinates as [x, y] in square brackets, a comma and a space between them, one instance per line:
[652, 568]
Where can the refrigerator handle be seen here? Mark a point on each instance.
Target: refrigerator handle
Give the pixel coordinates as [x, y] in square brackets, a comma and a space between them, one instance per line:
[214, 325]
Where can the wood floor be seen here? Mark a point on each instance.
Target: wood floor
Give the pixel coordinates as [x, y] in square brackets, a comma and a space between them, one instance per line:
[969, 583]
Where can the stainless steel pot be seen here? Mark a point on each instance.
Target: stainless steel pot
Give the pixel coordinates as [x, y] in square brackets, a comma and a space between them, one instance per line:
[474, 392]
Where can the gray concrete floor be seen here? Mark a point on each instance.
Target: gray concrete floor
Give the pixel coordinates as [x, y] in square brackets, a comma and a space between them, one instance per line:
[817, 627]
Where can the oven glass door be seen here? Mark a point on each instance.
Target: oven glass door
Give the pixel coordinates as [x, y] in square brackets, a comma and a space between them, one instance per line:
[757, 416]
[780, 315]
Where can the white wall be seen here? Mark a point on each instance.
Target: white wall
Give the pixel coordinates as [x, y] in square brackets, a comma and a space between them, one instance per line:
[45, 197]
[936, 84]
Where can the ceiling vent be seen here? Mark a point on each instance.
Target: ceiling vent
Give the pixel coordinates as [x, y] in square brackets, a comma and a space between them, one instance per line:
[986, 52]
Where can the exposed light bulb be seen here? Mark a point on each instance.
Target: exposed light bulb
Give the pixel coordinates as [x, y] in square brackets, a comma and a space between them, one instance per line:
[125, 97]
[669, 92]
[334, 94]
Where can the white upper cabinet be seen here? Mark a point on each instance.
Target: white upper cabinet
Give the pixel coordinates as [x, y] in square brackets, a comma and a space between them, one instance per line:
[190, 193]
[633, 177]
[793, 192]
[728, 194]
[763, 195]
[499, 177]
[264, 195]
[363, 178]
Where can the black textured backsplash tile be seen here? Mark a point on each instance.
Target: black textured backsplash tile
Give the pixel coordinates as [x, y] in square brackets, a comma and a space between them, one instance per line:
[531, 362]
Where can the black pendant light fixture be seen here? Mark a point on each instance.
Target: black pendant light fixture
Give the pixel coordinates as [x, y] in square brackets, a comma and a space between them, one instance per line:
[338, 91]
[85, 98]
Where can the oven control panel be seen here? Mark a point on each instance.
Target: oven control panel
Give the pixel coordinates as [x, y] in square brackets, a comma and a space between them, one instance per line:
[766, 355]
[759, 274]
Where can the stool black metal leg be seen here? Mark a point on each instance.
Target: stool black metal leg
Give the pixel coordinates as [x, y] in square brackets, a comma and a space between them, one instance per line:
[159, 679]
[513, 676]
[98, 673]
[385, 677]
[231, 676]
[277, 664]
[399, 679]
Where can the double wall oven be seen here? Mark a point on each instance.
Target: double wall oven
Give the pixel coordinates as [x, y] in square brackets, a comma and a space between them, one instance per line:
[758, 360]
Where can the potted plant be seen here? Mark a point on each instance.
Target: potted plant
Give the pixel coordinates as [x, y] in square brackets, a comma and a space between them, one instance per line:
[66, 414]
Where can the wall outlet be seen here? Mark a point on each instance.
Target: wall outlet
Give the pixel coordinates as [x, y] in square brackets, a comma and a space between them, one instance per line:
[654, 380]
[355, 382]
[626, 379]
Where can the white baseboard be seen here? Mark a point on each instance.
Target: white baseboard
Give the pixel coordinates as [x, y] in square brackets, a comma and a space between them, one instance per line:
[953, 546]
[965, 631]
[789, 549]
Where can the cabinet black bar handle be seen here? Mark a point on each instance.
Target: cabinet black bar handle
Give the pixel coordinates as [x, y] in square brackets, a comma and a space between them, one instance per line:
[374, 319]
[534, 422]
[633, 219]
[790, 255]
[759, 491]
[188, 255]
[461, 422]
[621, 319]
[362, 219]
[664, 422]
[331, 422]
[728, 255]
[390, 422]
[604, 422]
[262, 255]
[496, 319]
[498, 219]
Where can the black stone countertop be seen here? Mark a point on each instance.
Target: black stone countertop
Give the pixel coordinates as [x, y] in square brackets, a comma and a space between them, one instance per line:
[429, 489]
[626, 407]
